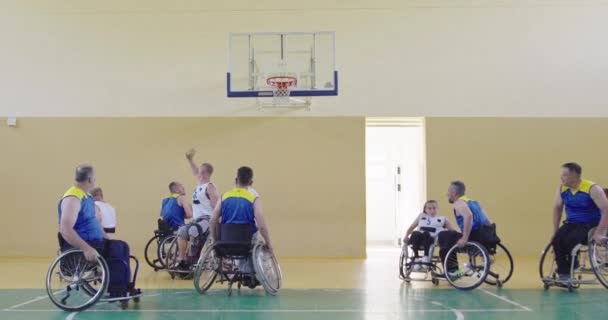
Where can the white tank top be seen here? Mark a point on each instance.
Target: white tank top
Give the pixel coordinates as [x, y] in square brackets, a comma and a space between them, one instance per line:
[108, 214]
[430, 224]
[201, 205]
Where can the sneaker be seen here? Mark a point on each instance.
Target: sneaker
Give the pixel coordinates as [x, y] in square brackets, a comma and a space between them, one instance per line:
[564, 277]
[456, 274]
[183, 266]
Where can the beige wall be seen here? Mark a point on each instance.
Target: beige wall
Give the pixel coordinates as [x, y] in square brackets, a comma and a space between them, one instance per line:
[512, 167]
[309, 171]
[395, 57]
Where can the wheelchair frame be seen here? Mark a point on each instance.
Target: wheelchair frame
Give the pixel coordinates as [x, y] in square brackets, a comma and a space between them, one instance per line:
[96, 295]
[231, 274]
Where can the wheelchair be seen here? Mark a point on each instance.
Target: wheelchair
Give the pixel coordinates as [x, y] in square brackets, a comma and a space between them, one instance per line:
[477, 264]
[411, 269]
[229, 260]
[588, 265]
[74, 284]
[156, 248]
[171, 253]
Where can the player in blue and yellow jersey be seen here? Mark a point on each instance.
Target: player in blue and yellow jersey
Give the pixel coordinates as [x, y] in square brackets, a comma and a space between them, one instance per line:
[176, 208]
[79, 228]
[469, 215]
[586, 205]
[242, 205]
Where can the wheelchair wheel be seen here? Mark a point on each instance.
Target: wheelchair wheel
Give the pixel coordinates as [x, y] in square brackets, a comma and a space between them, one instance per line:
[501, 266]
[404, 267]
[547, 269]
[151, 253]
[206, 270]
[473, 264]
[267, 269]
[598, 256]
[74, 284]
[162, 250]
[171, 255]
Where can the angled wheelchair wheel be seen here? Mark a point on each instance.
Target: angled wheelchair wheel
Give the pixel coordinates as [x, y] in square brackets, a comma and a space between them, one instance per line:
[151, 253]
[267, 269]
[598, 256]
[163, 249]
[472, 264]
[404, 269]
[547, 270]
[74, 284]
[501, 266]
[171, 254]
[206, 270]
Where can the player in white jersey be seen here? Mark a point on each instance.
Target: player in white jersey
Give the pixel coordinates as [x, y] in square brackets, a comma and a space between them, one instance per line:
[204, 198]
[106, 211]
[424, 230]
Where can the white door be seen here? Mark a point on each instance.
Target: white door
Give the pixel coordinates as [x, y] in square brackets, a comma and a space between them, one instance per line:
[395, 174]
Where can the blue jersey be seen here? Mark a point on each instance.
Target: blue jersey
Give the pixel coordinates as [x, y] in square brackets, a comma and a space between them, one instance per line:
[172, 213]
[237, 207]
[479, 217]
[580, 207]
[87, 226]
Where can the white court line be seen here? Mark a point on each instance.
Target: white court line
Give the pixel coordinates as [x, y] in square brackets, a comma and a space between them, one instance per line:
[277, 310]
[71, 316]
[182, 292]
[506, 300]
[458, 313]
[151, 295]
[25, 303]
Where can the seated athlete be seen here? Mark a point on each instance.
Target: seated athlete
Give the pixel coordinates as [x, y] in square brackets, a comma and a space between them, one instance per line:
[241, 206]
[469, 216]
[423, 232]
[586, 206]
[176, 208]
[79, 228]
[204, 198]
[107, 212]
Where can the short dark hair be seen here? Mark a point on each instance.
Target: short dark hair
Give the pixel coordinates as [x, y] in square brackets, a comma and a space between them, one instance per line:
[244, 176]
[573, 167]
[209, 167]
[459, 187]
[172, 186]
[83, 173]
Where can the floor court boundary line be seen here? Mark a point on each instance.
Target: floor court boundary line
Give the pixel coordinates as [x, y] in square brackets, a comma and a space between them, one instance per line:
[505, 299]
[25, 303]
[458, 313]
[278, 310]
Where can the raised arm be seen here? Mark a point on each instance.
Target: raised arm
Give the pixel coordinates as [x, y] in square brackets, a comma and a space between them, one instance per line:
[190, 156]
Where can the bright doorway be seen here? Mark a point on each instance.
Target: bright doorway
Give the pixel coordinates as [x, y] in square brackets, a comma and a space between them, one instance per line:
[395, 177]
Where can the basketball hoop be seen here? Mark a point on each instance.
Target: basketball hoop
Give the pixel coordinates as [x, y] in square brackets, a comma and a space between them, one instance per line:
[281, 86]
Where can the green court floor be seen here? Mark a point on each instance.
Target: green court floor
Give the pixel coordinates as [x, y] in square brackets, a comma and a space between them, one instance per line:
[405, 303]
